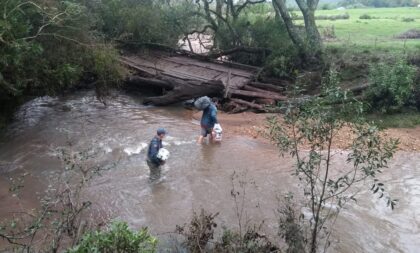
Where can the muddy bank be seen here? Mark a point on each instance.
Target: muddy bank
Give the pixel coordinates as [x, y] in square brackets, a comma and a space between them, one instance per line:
[253, 124]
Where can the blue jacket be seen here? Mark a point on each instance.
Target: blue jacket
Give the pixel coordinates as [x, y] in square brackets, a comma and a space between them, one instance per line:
[154, 146]
[209, 117]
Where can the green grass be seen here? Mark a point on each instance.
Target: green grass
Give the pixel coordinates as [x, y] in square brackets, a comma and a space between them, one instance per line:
[377, 33]
[407, 119]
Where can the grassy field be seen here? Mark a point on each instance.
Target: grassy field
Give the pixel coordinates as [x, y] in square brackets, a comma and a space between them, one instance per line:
[376, 33]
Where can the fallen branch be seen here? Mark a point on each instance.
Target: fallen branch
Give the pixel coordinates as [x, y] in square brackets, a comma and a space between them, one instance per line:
[250, 50]
[266, 86]
[249, 104]
[250, 88]
[359, 88]
[149, 82]
[254, 94]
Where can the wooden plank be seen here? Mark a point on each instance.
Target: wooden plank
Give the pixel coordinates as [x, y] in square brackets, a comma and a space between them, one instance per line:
[254, 94]
[267, 86]
[249, 104]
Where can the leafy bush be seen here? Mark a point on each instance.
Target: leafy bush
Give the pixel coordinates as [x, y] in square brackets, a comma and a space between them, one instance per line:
[408, 20]
[391, 86]
[140, 21]
[365, 16]
[199, 232]
[251, 241]
[119, 238]
[327, 6]
[308, 132]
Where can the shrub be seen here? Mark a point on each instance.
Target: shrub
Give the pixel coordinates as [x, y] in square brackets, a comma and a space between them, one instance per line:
[326, 6]
[408, 20]
[119, 238]
[410, 34]
[329, 33]
[199, 232]
[365, 16]
[308, 132]
[391, 86]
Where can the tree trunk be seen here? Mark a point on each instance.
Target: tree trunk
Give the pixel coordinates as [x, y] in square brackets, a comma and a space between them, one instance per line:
[310, 52]
[313, 37]
[281, 8]
[176, 90]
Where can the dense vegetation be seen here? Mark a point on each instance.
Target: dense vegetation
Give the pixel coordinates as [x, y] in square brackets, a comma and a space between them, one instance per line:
[256, 33]
[48, 47]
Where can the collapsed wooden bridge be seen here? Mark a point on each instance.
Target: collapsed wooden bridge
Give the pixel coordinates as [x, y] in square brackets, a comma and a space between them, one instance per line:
[179, 76]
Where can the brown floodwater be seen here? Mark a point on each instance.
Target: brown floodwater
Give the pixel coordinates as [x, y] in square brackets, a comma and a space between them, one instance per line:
[196, 176]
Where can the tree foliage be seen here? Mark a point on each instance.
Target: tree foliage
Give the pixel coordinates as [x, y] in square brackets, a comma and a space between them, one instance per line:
[308, 134]
[145, 21]
[35, 40]
[118, 238]
[391, 86]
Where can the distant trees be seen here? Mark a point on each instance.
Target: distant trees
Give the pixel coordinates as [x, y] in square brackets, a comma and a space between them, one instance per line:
[379, 3]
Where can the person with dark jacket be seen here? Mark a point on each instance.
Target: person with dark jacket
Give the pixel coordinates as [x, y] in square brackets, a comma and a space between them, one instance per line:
[153, 161]
[208, 120]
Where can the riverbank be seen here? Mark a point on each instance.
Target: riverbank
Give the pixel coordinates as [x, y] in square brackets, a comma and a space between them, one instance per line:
[253, 124]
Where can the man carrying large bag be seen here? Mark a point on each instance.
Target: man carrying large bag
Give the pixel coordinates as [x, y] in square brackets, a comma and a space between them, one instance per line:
[208, 119]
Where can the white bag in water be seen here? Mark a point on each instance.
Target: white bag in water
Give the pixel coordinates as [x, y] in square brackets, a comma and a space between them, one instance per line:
[217, 132]
[163, 154]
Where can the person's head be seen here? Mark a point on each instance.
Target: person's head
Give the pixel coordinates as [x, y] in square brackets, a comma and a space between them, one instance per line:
[215, 101]
[161, 132]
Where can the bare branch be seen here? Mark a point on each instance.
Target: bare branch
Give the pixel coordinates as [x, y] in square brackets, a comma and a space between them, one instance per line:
[251, 50]
[239, 8]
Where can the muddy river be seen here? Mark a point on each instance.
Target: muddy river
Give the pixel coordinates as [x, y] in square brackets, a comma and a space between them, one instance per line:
[195, 176]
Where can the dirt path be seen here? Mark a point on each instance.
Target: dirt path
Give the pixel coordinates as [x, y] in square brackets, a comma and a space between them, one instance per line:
[251, 124]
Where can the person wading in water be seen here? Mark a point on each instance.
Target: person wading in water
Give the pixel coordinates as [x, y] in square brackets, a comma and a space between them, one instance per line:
[153, 161]
[208, 119]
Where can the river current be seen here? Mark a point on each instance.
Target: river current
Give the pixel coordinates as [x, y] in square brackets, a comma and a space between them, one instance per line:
[196, 176]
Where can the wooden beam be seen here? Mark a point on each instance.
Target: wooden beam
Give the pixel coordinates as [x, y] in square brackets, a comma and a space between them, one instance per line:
[254, 94]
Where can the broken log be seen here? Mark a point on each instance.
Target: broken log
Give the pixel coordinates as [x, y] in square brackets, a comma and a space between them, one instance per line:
[148, 82]
[232, 107]
[177, 90]
[267, 86]
[359, 88]
[253, 94]
[241, 49]
[249, 104]
[265, 101]
[271, 93]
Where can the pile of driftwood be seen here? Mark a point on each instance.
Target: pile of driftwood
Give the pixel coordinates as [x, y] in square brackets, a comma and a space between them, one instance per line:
[179, 76]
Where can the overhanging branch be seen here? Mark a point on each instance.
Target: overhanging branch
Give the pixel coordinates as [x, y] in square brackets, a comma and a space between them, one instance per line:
[250, 50]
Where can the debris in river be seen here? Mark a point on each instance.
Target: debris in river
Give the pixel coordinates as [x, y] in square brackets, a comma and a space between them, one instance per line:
[179, 76]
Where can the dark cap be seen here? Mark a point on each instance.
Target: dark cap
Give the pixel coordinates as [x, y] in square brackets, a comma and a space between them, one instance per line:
[161, 130]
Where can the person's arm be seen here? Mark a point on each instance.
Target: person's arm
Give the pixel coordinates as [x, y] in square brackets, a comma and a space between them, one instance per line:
[204, 118]
[214, 115]
[154, 149]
